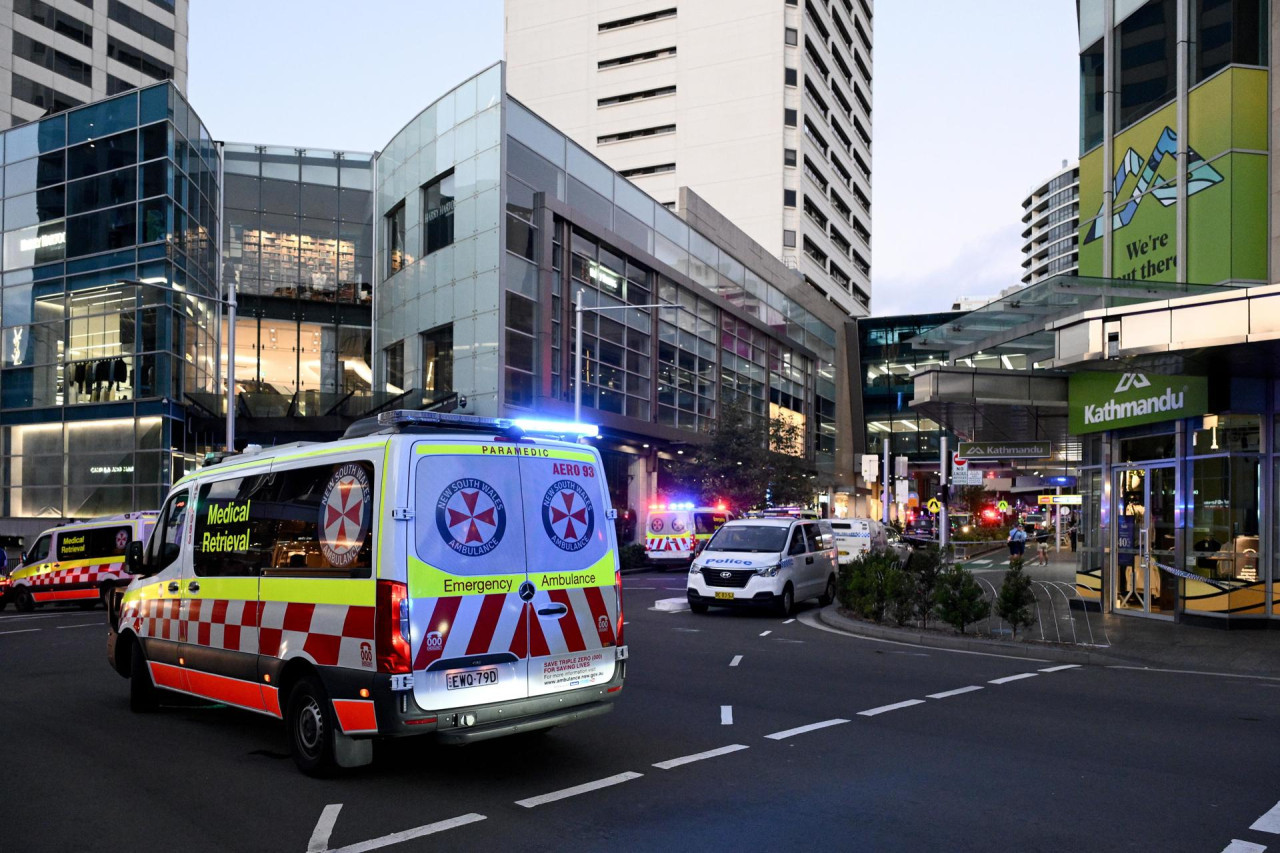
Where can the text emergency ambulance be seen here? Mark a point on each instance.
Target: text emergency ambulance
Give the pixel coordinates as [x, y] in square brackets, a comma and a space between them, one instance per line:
[678, 531]
[427, 573]
[82, 561]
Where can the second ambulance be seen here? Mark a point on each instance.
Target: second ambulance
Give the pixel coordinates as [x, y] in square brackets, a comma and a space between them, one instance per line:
[427, 573]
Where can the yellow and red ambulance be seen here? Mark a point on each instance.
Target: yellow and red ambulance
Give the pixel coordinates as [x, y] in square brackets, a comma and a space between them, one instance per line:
[81, 561]
[428, 573]
[677, 531]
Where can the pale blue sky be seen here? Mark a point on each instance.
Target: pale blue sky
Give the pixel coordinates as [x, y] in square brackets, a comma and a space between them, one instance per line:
[974, 103]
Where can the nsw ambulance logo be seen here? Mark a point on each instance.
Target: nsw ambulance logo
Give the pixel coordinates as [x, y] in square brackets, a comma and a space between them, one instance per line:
[344, 515]
[471, 517]
[567, 515]
[1131, 381]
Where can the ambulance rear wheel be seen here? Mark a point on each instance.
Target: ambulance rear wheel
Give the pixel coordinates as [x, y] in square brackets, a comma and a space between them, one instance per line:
[24, 603]
[143, 696]
[311, 727]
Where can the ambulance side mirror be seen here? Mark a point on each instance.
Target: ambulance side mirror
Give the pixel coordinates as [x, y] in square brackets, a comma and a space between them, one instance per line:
[133, 557]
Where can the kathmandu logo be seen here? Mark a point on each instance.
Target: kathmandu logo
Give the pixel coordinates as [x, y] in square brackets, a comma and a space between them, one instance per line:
[567, 516]
[471, 517]
[1129, 381]
[1200, 176]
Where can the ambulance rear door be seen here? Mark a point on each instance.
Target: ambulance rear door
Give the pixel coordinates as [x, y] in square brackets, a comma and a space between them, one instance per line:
[569, 540]
[469, 634]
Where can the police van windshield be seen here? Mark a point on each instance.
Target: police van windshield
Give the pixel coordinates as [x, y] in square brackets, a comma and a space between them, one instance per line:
[753, 538]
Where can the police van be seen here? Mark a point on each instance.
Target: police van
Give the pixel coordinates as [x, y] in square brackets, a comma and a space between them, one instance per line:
[78, 562]
[765, 562]
[428, 572]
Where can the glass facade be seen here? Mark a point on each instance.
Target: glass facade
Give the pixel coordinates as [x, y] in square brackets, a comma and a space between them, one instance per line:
[107, 311]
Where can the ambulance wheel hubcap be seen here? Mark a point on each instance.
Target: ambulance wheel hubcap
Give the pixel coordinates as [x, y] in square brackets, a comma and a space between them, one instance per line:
[310, 726]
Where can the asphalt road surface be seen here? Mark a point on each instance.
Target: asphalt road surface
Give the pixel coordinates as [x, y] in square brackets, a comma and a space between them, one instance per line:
[734, 731]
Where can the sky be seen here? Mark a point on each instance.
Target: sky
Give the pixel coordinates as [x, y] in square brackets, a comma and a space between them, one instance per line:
[974, 103]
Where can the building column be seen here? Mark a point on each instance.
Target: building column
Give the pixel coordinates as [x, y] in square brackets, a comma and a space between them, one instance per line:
[1183, 51]
[1273, 165]
[1108, 131]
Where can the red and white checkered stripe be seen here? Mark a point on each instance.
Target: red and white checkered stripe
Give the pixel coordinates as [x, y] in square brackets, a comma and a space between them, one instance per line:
[154, 618]
[79, 575]
[222, 623]
[669, 543]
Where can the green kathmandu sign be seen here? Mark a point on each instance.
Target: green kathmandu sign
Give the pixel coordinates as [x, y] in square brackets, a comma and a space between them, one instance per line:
[1102, 401]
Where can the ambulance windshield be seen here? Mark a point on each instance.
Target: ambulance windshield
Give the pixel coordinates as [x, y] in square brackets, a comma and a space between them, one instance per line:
[749, 538]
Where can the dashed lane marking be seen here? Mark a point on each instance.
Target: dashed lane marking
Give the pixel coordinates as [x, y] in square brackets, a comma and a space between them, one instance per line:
[408, 834]
[737, 659]
[947, 694]
[1238, 846]
[1061, 668]
[324, 828]
[884, 709]
[584, 788]
[1269, 822]
[85, 625]
[1009, 678]
[812, 727]
[689, 759]
[765, 633]
[788, 621]
[22, 631]
[726, 715]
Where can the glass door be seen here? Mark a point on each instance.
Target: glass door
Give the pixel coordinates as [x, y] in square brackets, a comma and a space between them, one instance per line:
[1145, 539]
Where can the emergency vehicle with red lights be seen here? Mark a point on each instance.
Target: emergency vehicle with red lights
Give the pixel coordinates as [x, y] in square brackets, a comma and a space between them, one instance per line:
[79, 562]
[428, 572]
[678, 530]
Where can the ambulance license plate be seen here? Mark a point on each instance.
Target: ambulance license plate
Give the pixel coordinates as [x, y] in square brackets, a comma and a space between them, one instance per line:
[728, 595]
[482, 677]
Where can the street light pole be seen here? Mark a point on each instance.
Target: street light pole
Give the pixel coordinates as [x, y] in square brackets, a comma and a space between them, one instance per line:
[231, 370]
[577, 357]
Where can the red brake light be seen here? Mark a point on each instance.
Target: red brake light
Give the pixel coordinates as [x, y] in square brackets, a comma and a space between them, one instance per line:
[391, 627]
[617, 582]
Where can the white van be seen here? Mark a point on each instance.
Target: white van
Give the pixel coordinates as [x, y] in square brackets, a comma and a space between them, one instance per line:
[856, 536]
[772, 562]
[427, 573]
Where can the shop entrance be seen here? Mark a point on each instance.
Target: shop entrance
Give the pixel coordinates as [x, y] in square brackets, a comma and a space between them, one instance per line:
[1145, 498]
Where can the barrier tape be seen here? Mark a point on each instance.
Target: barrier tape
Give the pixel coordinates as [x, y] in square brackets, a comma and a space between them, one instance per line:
[1183, 573]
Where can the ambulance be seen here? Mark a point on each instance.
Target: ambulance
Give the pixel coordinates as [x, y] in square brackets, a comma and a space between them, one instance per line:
[678, 531]
[428, 573]
[79, 562]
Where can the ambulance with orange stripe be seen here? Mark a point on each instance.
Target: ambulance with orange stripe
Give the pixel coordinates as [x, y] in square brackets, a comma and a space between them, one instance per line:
[427, 573]
[78, 562]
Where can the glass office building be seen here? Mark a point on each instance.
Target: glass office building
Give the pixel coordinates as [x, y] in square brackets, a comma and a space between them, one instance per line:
[108, 313]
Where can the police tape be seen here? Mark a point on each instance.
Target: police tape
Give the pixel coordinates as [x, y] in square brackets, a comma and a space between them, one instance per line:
[1192, 576]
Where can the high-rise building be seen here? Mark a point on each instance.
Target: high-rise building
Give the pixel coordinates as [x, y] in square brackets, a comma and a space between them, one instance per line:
[762, 107]
[1050, 219]
[60, 54]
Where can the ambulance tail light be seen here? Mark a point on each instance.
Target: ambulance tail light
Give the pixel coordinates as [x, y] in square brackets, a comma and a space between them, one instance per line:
[617, 583]
[391, 628]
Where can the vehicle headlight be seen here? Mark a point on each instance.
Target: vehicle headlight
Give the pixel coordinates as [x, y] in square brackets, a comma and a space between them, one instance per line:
[694, 569]
[768, 571]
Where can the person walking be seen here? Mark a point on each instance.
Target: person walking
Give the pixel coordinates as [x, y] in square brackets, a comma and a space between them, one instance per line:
[1042, 548]
[1017, 542]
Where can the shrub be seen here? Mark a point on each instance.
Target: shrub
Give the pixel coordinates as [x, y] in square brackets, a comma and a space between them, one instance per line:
[959, 599]
[867, 585]
[632, 556]
[1016, 601]
[924, 566]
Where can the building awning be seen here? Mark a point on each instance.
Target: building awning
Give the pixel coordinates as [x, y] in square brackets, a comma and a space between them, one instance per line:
[995, 405]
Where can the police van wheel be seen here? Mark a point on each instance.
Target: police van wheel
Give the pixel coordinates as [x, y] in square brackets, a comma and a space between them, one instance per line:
[697, 607]
[143, 696]
[311, 728]
[786, 602]
[24, 602]
[829, 595]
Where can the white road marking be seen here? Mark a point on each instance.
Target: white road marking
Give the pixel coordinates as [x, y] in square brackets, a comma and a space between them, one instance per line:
[788, 621]
[1194, 672]
[1269, 822]
[54, 615]
[812, 727]
[980, 562]
[689, 759]
[408, 834]
[1238, 846]
[947, 694]
[726, 715]
[871, 712]
[811, 619]
[737, 659]
[85, 625]
[22, 631]
[1009, 678]
[765, 633]
[578, 789]
[1061, 668]
[324, 828]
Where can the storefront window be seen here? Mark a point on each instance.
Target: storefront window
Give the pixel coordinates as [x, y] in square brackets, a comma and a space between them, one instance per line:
[1222, 536]
[1146, 447]
[1226, 434]
[438, 200]
[437, 362]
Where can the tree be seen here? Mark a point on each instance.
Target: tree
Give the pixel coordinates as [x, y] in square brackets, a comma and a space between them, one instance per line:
[870, 583]
[1015, 602]
[744, 462]
[959, 599]
[972, 499]
[925, 566]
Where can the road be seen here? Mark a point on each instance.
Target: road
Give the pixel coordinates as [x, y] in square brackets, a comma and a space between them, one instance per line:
[734, 731]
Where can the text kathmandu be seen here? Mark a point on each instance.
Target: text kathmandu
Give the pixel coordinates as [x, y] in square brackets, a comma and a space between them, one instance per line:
[1111, 410]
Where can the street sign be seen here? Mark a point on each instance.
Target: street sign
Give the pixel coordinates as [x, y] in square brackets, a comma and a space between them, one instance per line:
[934, 505]
[1005, 449]
[870, 467]
[1003, 506]
[902, 489]
[1060, 500]
[900, 466]
[966, 477]
[957, 461]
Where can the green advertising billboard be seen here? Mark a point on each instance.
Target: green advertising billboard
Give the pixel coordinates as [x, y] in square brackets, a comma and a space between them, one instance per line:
[1226, 189]
[1102, 401]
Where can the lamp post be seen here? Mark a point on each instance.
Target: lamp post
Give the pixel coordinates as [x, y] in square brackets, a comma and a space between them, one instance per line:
[579, 310]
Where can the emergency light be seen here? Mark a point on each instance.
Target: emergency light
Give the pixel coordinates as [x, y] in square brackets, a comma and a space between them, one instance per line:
[407, 417]
[557, 427]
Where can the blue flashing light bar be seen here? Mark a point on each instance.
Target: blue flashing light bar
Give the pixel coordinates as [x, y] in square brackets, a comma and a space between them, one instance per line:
[407, 417]
[556, 427]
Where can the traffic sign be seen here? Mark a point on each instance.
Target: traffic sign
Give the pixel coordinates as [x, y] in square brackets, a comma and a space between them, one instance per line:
[935, 506]
[957, 461]
[1060, 500]
[1005, 449]
[1003, 506]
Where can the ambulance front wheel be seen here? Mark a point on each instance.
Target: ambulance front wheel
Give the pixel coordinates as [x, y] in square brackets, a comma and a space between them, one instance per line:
[312, 729]
[24, 603]
[142, 693]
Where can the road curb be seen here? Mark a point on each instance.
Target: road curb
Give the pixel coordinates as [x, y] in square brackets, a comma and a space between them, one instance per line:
[1013, 648]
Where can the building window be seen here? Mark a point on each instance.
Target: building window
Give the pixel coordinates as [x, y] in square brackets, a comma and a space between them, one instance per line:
[789, 239]
[437, 205]
[115, 86]
[623, 136]
[122, 53]
[140, 23]
[660, 53]
[59, 22]
[1226, 32]
[1147, 60]
[793, 37]
[396, 257]
[394, 358]
[642, 95]
[437, 362]
[520, 357]
[789, 118]
[788, 156]
[790, 77]
[40, 95]
[788, 198]
[637, 19]
[55, 60]
[641, 171]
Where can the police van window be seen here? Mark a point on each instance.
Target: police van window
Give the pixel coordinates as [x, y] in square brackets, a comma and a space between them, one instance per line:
[98, 543]
[797, 540]
[166, 541]
[234, 532]
[39, 551]
[323, 516]
[824, 537]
